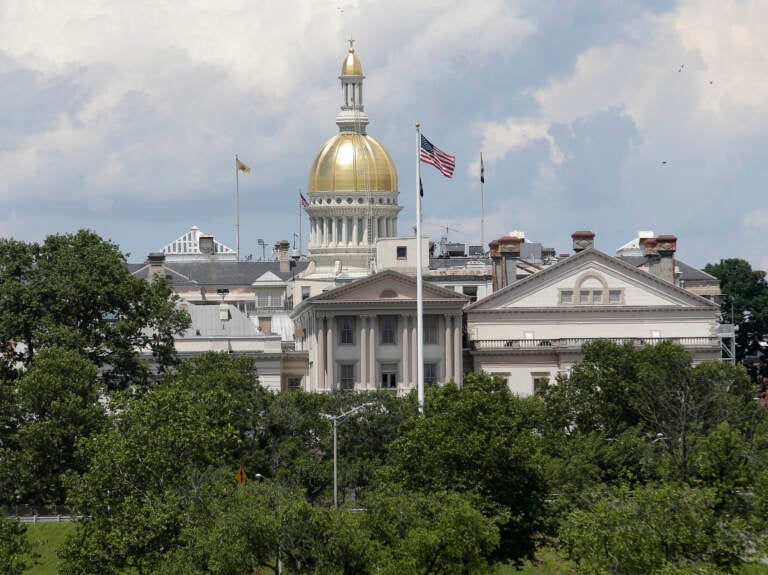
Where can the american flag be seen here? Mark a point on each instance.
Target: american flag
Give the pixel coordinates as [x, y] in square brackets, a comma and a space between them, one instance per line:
[303, 200]
[434, 156]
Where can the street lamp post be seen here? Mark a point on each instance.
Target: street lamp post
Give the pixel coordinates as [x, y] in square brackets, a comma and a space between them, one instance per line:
[336, 419]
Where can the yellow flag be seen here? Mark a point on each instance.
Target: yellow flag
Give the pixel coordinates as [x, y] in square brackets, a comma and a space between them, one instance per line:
[243, 167]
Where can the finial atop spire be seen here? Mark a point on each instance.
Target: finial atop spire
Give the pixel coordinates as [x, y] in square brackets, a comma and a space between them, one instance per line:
[351, 65]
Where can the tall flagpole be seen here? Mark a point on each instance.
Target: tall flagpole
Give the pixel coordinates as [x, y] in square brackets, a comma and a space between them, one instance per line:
[482, 203]
[237, 193]
[301, 241]
[419, 294]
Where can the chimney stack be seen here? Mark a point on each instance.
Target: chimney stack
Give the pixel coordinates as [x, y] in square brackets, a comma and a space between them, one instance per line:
[583, 240]
[156, 262]
[504, 255]
[666, 246]
[281, 248]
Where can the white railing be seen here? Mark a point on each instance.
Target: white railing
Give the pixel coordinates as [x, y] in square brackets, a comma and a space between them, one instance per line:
[578, 342]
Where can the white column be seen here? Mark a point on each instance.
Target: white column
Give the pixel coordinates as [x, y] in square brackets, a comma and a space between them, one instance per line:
[457, 355]
[414, 352]
[365, 230]
[320, 356]
[363, 352]
[372, 327]
[334, 232]
[355, 233]
[448, 349]
[329, 345]
[405, 364]
[344, 231]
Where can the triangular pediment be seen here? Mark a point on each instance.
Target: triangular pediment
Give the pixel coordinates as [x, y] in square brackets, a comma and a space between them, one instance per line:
[387, 285]
[268, 278]
[590, 278]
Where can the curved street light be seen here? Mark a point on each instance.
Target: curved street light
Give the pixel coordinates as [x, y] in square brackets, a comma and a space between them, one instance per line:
[336, 419]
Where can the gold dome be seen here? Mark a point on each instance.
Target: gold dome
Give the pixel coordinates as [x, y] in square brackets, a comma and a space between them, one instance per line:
[351, 65]
[351, 162]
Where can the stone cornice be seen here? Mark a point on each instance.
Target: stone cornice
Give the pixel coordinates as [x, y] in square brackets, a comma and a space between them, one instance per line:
[589, 309]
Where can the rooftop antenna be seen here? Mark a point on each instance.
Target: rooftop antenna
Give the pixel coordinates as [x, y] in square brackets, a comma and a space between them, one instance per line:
[443, 227]
[263, 249]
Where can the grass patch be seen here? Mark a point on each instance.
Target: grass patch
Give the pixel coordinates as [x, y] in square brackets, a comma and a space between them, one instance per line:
[47, 539]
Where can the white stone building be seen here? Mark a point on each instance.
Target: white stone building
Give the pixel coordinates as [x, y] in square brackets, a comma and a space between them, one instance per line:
[532, 329]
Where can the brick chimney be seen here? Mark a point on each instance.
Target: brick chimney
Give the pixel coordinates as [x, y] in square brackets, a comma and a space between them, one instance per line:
[156, 262]
[666, 246]
[504, 255]
[659, 255]
[281, 248]
[583, 240]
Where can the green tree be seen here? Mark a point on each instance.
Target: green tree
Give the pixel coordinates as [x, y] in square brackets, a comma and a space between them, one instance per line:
[75, 291]
[417, 533]
[478, 439]
[230, 529]
[745, 301]
[654, 529]
[16, 552]
[634, 408]
[156, 456]
[59, 403]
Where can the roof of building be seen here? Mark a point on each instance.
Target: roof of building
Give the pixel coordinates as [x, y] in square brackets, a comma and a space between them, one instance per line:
[207, 322]
[687, 272]
[220, 272]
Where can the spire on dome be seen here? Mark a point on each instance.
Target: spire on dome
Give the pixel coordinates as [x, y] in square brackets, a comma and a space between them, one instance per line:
[351, 65]
[352, 117]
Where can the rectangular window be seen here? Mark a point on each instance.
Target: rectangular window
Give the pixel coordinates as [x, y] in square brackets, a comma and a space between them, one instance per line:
[346, 330]
[293, 383]
[430, 373]
[597, 296]
[388, 376]
[584, 297]
[347, 376]
[387, 328]
[402, 252]
[304, 292]
[431, 335]
[263, 299]
[614, 296]
[566, 296]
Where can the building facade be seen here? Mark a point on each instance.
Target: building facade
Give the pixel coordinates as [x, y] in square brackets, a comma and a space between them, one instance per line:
[532, 329]
[362, 336]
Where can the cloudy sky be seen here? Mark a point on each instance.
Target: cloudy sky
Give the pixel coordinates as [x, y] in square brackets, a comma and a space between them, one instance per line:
[614, 116]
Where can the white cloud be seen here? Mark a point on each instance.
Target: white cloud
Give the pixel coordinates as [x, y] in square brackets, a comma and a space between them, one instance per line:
[691, 82]
[757, 219]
